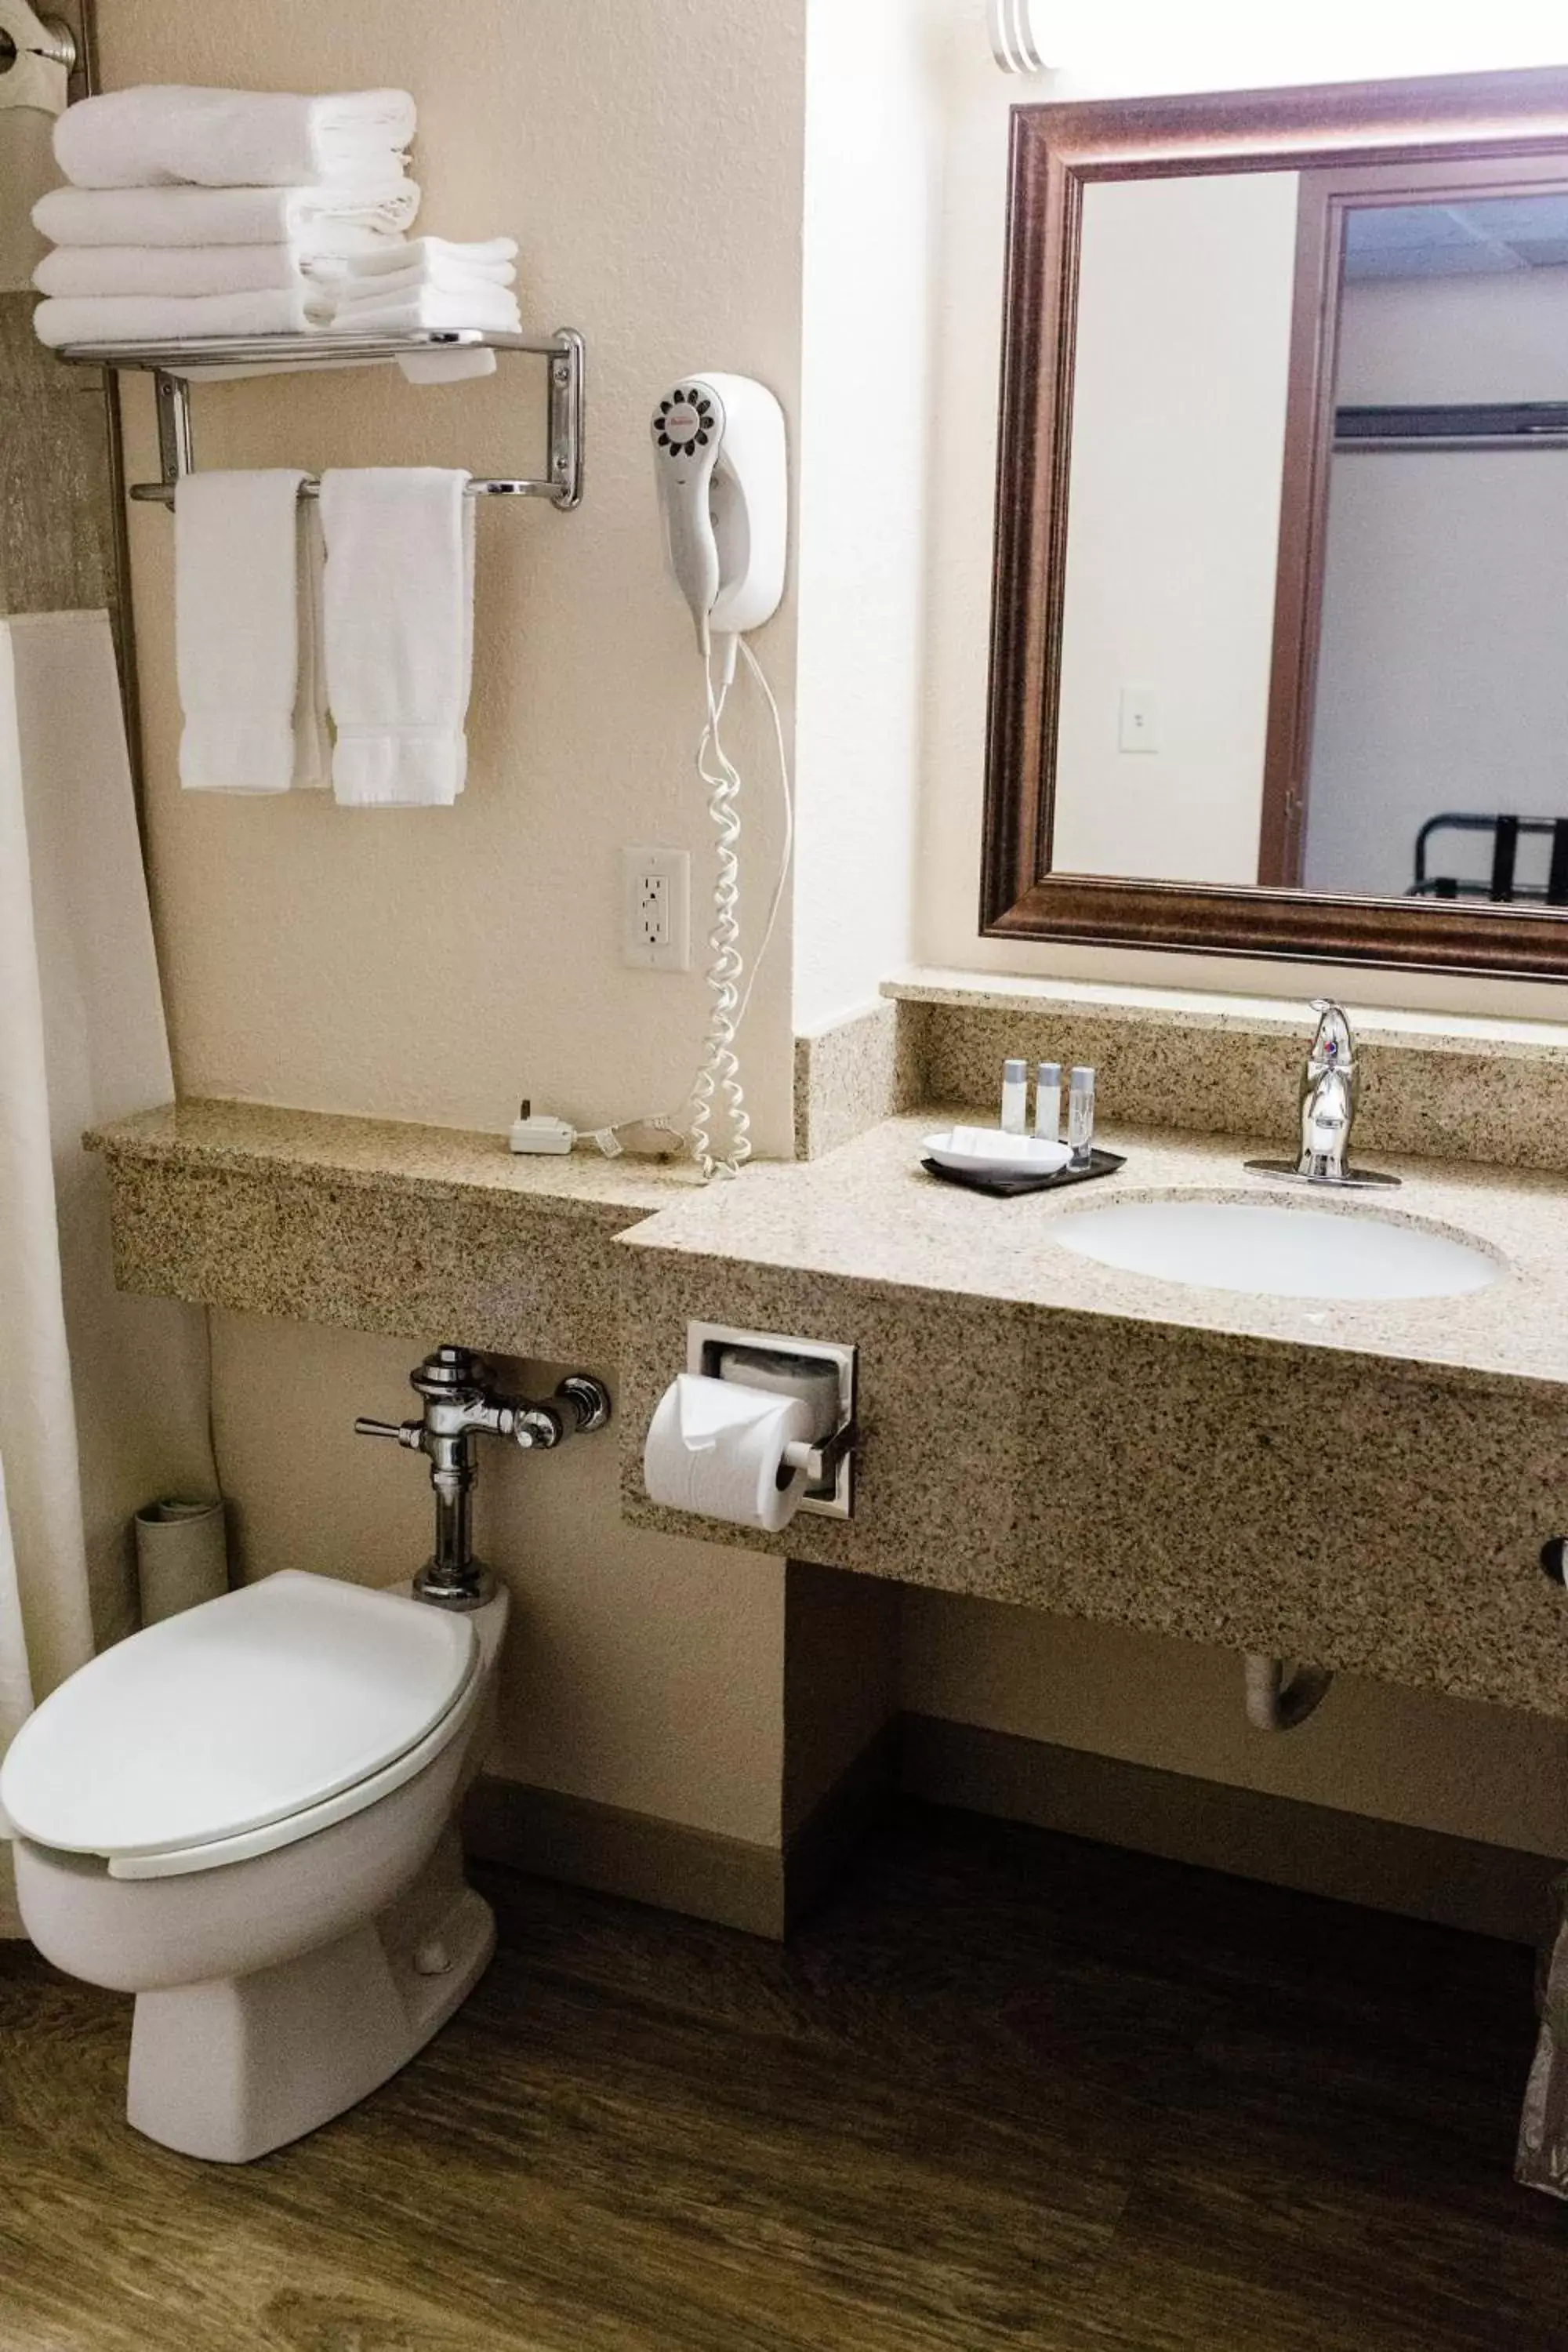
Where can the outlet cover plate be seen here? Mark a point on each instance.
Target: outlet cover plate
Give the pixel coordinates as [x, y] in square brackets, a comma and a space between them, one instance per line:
[655, 909]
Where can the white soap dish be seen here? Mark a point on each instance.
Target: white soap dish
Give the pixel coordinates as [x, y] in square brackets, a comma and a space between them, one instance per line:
[991, 1151]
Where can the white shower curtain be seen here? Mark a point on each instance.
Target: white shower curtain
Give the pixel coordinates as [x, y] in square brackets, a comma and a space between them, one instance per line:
[102, 1397]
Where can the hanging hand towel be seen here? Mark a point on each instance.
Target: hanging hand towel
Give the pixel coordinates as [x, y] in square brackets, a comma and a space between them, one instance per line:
[321, 220]
[398, 612]
[247, 574]
[173, 318]
[193, 269]
[163, 137]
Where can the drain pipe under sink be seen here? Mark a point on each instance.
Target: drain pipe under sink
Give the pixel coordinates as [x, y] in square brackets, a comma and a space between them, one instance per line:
[1277, 1701]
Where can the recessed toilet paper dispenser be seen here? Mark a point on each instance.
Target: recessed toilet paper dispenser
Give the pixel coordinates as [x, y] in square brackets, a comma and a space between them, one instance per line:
[759, 1426]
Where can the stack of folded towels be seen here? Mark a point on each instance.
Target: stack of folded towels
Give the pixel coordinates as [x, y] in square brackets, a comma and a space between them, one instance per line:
[198, 212]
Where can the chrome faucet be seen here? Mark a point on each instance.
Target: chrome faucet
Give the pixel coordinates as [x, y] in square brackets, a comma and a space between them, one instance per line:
[1327, 1096]
[458, 1410]
[1326, 1102]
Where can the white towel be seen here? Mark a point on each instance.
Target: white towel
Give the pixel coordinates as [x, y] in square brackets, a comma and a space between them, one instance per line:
[398, 618]
[486, 255]
[187, 269]
[321, 220]
[168, 318]
[353, 285]
[426, 310]
[247, 559]
[168, 136]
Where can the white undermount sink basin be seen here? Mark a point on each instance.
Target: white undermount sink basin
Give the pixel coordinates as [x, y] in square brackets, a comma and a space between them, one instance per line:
[1286, 1253]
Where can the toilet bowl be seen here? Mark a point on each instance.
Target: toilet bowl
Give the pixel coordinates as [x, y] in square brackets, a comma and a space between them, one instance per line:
[246, 1816]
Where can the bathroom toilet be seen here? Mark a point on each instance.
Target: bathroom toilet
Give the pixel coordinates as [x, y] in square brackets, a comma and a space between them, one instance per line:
[246, 1816]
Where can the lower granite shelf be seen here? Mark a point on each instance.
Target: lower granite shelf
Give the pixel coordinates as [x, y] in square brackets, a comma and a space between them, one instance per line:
[422, 1232]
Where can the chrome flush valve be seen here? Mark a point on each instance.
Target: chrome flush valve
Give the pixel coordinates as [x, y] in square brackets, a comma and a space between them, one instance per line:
[458, 1410]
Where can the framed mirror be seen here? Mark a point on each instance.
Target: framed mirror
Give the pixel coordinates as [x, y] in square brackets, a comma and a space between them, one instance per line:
[1279, 643]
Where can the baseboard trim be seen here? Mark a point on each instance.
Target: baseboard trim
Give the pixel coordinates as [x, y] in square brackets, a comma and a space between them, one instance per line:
[670, 1865]
[762, 1889]
[1349, 1857]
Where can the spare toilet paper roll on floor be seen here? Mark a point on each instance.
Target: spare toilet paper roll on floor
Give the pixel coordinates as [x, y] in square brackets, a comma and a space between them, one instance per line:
[182, 1556]
[717, 1447]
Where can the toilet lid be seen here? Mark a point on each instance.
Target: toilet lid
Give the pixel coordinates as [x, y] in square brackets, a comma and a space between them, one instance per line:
[235, 1714]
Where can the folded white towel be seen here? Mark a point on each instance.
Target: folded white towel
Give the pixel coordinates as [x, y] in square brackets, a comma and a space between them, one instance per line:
[487, 255]
[166, 136]
[352, 285]
[315, 219]
[185, 269]
[398, 614]
[426, 310]
[159, 318]
[247, 561]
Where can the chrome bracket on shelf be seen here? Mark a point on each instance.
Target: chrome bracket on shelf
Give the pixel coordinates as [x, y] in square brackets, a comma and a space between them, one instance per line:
[171, 364]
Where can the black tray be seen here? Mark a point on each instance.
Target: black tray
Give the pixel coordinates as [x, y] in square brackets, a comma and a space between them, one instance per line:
[1007, 1187]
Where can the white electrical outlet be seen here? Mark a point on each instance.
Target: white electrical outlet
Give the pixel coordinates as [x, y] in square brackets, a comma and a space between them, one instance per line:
[655, 909]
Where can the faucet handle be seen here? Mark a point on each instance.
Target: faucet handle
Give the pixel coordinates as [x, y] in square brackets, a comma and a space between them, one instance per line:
[1333, 1047]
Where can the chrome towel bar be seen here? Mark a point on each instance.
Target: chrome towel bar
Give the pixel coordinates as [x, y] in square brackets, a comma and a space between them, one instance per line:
[171, 365]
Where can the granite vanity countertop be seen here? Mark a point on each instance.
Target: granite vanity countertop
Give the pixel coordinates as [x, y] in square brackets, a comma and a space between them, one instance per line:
[869, 1214]
[328, 1147]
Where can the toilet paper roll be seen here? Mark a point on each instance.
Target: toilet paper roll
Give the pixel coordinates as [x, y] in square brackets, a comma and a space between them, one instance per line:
[182, 1556]
[717, 1447]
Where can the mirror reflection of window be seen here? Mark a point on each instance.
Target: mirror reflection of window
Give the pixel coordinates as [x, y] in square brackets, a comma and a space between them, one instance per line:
[1440, 741]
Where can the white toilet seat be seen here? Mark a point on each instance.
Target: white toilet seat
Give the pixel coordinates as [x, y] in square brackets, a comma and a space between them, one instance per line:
[174, 1863]
[242, 1725]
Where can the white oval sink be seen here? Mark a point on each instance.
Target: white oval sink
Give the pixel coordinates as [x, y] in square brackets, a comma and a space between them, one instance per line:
[1259, 1247]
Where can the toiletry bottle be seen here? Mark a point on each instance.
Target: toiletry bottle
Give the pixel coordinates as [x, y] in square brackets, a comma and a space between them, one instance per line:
[1014, 1097]
[1048, 1101]
[1081, 1118]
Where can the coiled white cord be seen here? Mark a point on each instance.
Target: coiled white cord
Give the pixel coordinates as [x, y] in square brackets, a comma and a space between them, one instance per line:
[717, 1090]
[718, 1072]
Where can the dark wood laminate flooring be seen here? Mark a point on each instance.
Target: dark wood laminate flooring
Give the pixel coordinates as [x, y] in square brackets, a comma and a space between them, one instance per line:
[1009, 2090]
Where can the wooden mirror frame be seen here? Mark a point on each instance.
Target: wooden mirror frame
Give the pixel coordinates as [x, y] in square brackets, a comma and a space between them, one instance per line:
[1520, 118]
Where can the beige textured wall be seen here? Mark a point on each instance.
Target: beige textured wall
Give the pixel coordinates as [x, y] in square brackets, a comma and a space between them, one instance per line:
[58, 543]
[439, 964]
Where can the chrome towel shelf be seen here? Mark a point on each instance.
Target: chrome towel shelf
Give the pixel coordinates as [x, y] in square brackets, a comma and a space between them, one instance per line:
[171, 365]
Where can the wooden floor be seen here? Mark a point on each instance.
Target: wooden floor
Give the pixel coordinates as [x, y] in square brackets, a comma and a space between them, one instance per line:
[1010, 2090]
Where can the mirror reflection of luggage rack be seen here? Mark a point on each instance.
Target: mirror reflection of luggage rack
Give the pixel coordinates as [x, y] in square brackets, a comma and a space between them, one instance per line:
[1501, 887]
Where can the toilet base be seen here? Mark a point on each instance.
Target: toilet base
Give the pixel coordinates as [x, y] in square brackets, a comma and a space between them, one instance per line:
[233, 2068]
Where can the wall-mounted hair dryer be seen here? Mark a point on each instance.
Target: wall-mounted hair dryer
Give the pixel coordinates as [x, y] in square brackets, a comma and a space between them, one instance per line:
[719, 454]
[723, 486]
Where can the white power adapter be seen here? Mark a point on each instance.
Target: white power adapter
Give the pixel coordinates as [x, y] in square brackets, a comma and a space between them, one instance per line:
[539, 1132]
